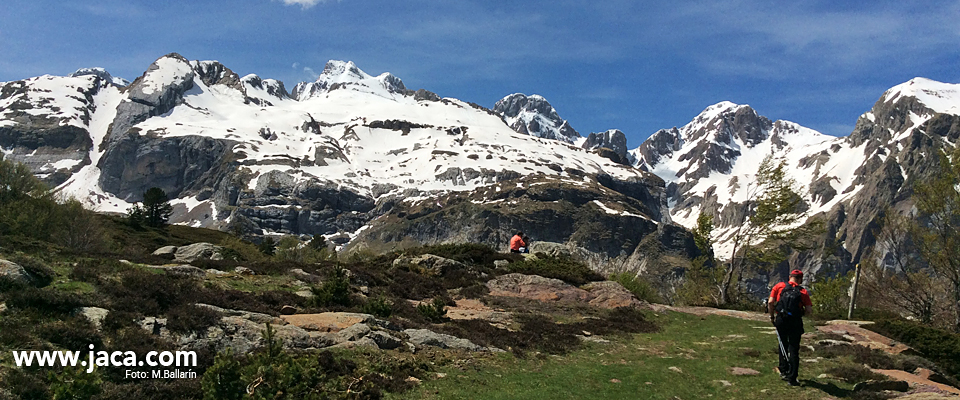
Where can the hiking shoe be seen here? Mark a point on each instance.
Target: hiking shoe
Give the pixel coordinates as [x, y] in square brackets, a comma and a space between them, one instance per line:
[793, 382]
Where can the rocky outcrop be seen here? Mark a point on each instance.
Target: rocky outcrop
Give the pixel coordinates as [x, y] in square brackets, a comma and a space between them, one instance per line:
[606, 294]
[14, 272]
[198, 251]
[424, 337]
[533, 115]
[430, 264]
[614, 141]
[328, 322]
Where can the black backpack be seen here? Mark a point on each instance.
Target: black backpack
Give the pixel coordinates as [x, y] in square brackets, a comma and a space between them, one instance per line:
[791, 302]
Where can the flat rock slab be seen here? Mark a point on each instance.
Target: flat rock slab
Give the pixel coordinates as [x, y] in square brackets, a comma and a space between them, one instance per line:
[467, 309]
[536, 288]
[743, 371]
[327, 322]
[866, 338]
[606, 294]
[916, 380]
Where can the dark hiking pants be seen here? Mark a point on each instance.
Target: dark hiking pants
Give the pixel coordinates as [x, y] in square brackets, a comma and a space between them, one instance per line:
[789, 333]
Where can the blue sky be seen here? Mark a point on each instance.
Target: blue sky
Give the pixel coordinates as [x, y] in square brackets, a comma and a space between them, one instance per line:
[638, 66]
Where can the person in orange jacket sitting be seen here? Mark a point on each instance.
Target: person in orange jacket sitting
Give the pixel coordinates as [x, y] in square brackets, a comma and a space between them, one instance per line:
[517, 244]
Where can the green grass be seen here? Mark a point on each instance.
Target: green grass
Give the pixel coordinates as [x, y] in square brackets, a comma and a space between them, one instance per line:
[703, 349]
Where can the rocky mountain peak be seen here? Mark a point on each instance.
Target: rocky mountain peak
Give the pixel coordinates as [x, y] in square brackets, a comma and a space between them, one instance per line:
[613, 140]
[101, 73]
[533, 115]
[345, 74]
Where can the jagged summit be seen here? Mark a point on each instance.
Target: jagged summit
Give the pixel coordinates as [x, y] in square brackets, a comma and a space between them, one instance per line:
[345, 74]
[102, 74]
[939, 97]
[533, 115]
[614, 141]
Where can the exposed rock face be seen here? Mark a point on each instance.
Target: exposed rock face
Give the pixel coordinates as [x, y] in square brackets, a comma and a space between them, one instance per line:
[533, 115]
[605, 228]
[614, 141]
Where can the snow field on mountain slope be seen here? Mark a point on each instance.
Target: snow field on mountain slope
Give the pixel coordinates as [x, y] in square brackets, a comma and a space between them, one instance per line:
[940, 97]
[375, 155]
[83, 185]
[48, 92]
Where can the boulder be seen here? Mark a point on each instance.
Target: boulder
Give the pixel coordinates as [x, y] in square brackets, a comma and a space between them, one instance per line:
[327, 322]
[167, 252]
[95, 315]
[187, 270]
[198, 251]
[243, 271]
[304, 275]
[430, 263]
[288, 310]
[877, 386]
[610, 294]
[353, 333]
[424, 337]
[384, 340]
[537, 288]
[14, 272]
[501, 263]
[239, 330]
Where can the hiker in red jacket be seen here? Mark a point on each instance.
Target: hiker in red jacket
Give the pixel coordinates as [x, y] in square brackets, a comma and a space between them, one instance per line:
[787, 305]
[517, 244]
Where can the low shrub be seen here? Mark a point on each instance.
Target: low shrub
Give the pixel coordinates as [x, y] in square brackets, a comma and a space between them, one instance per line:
[41, 273]
[92, 270]
[940, 346]
[151, 293]
[435, 311]
[475, 291]
[325, 374]
[562, 268]
[44, 302]
[379, 307]
[854, 373]
[75, 333]
[335, 290]
[190, 318]
[638, 286]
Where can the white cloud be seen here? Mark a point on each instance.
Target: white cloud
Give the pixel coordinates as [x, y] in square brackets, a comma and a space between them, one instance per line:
[304, 3]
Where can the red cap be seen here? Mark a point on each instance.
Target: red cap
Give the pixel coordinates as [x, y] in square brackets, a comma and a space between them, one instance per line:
[796, 272]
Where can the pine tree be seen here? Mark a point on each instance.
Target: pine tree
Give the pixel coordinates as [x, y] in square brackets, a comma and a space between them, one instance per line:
[156, 208]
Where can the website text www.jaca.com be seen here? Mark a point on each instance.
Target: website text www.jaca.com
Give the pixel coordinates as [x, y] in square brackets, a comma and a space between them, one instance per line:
[118, 359]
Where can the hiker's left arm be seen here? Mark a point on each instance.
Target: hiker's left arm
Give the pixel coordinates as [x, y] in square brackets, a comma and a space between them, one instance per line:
[808, 311]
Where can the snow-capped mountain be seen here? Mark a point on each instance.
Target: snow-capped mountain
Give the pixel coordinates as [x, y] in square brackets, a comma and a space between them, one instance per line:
[533, 115]
[330, 158]
[709, 164]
